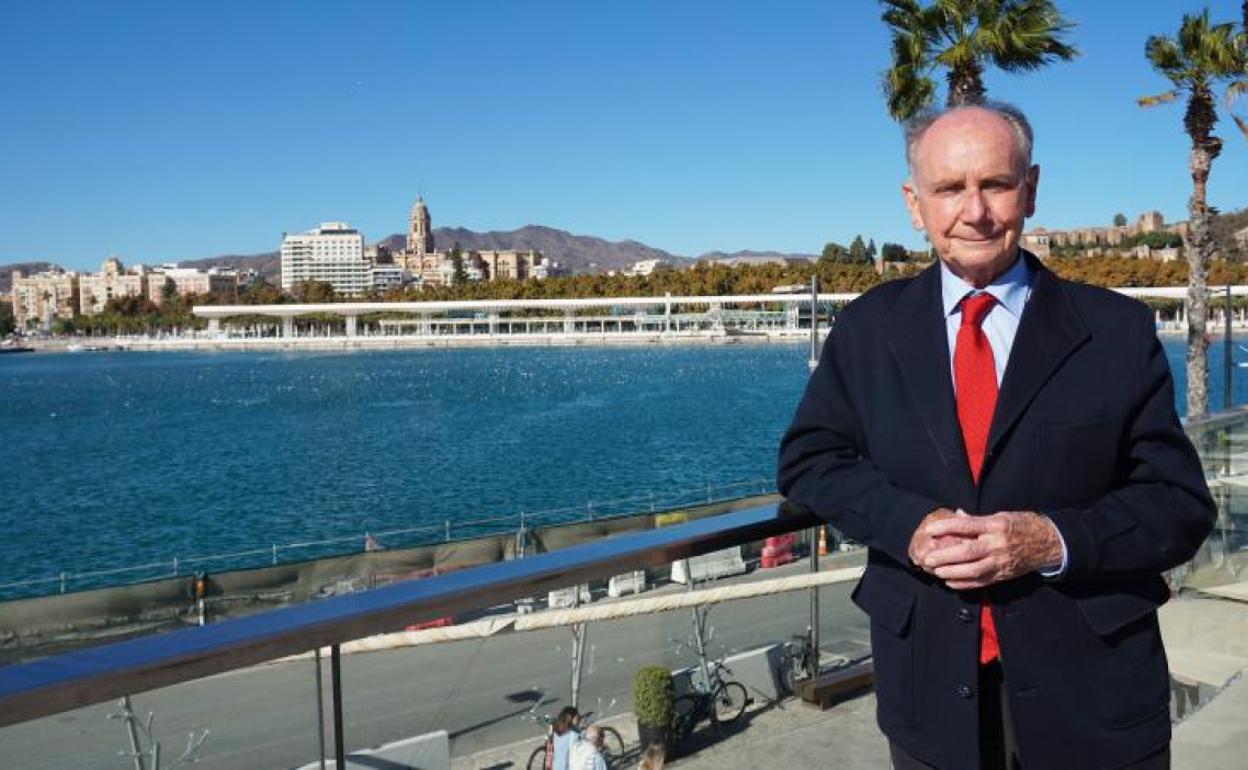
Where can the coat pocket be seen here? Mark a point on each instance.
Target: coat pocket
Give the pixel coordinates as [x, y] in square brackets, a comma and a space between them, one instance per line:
[891, 610]
[1127, 662]
[1076, 462]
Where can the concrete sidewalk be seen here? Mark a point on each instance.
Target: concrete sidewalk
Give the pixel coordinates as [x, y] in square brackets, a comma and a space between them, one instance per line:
[1207, 639]
[786, 734]
[796, 735]
[1206, 636]
[1216, 737]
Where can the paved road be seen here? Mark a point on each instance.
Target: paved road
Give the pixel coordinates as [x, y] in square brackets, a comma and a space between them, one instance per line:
[480, 691]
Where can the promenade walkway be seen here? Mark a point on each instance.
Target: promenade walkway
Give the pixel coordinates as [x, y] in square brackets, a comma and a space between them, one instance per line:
[1206, 634]
[1210, 636]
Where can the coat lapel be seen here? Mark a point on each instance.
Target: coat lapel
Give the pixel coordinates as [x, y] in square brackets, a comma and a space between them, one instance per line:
[1048, 333]
[919, 345]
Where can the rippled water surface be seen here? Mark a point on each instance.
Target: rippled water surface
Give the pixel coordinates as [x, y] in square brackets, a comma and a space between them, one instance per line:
[112, 459]
[125, 458]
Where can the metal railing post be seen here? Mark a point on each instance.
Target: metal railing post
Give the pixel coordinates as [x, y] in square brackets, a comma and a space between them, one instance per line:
[814, 603]
[814, 323]
[335, 673]
[1227, 364]
[320, 710]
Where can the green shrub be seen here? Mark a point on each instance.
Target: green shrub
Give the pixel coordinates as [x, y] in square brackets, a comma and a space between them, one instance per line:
[653, 693]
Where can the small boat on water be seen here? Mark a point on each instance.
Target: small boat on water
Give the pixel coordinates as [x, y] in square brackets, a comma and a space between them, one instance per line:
[16, 349]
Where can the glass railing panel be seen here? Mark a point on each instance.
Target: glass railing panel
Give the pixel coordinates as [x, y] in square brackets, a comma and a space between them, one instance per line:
[1222, 562]
[487, 700]
[260, 717]
[472, 685]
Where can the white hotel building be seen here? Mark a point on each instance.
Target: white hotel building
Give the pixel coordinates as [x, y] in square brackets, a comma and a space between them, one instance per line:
[333, 253]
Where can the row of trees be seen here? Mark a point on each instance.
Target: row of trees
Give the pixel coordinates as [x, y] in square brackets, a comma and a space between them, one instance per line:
[130, 315]
[137, 315]
[860, 253]
[7, 323]
[1202, 61]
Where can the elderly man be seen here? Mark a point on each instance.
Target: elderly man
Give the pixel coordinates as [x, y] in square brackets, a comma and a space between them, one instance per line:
[1006, 445]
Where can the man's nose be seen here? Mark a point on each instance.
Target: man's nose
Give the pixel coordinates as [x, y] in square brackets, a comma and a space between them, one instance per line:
[974, 208]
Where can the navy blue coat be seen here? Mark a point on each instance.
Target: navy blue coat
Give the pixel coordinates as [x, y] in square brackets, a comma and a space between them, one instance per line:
[1084, 431]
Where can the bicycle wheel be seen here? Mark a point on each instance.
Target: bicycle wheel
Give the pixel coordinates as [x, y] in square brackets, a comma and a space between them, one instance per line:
[686, 707]
[612, 746]
[537, 760]
[792, 672]
[729, 702]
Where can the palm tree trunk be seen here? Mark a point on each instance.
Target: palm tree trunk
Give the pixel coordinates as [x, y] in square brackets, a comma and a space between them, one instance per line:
[966, 85]
[1199, 246]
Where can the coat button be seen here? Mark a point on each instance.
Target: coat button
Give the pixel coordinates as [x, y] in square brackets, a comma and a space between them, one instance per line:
[965, 615]
[965, 691]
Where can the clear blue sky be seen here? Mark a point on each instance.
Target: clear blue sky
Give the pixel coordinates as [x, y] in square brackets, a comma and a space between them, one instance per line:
[171, 130]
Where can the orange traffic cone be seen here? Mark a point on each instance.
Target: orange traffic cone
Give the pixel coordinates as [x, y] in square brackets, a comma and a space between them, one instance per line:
[823, 541]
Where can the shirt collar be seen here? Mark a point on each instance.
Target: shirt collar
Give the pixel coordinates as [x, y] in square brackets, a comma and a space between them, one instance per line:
[1011, 288]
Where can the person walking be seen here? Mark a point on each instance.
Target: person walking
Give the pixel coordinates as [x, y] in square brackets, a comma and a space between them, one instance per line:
[565, 737]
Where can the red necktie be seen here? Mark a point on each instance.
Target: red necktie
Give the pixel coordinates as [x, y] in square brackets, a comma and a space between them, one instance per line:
[975, 381]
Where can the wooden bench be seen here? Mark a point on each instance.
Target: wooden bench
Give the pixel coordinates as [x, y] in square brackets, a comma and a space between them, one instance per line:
[827, 689]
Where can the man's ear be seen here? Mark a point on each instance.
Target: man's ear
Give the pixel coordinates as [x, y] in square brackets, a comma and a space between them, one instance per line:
[1033, 182]
[911, 197]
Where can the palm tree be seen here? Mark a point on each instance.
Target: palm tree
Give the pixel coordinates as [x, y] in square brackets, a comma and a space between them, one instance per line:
[960, 36]
[1202, 57]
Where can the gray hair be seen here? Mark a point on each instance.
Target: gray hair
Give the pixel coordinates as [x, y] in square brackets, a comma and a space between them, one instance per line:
[917, 126]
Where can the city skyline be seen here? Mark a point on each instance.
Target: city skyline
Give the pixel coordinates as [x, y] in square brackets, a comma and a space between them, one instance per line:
[163, 134]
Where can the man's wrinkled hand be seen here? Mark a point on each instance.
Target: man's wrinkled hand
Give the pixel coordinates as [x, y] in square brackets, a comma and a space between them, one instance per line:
[990, 549]
[923, 543]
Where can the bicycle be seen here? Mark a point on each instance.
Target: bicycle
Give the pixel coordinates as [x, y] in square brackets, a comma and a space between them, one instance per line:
[723, 701]
[542, 756]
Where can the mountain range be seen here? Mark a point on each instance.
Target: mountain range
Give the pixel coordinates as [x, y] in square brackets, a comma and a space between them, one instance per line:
[27, 268]
[579, 253]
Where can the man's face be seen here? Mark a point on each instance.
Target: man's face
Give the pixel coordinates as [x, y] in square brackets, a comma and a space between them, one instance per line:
[971, 191]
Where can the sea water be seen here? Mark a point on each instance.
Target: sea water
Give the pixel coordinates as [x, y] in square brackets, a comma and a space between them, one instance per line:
[111, 460]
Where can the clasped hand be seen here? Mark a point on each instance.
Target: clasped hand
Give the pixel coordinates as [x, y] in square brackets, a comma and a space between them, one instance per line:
[969, 552]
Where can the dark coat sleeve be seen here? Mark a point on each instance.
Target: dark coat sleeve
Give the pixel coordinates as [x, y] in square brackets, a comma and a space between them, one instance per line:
[1159, 512]
[822, 464]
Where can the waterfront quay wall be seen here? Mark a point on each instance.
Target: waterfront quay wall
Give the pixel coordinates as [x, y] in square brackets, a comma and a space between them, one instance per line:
[399, 342]
[39, 626]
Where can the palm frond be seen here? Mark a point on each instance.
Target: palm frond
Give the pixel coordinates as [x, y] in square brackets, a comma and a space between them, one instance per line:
[1167, 58]
[907, 93]
[906, 86]
[1025, 35]
[1235, 91]
[1213, 48]
[1243, 124]
[901, 15]
[960, 36]
[1153, 101]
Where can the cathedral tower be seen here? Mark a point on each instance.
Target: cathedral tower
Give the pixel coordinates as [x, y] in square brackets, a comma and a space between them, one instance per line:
[419, 230]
